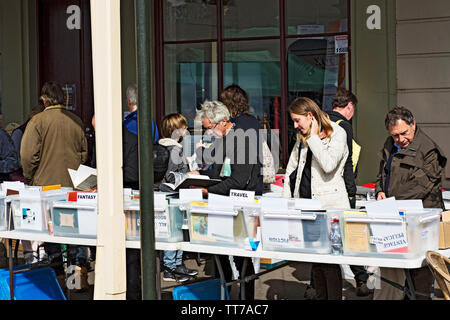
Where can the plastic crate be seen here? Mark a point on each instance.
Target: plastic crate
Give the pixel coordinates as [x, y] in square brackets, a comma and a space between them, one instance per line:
[71, 219]
[33, 214]
[38, 284]
[214, 226]
[204, 290]
[168, 222]
[419, 230]
[304, 231]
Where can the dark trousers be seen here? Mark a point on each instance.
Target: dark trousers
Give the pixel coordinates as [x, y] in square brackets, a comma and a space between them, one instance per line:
[75, 254]
[360, 274]
[422, 279]
[133, 261]
[228, 273]
[327, 281]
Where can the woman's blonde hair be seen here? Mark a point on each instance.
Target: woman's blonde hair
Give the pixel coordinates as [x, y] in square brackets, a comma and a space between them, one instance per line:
[171, 123]
[302, 106]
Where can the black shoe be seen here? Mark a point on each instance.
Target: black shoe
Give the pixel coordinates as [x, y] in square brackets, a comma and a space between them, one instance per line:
[181, 269]
[172, 276]
[362, 290]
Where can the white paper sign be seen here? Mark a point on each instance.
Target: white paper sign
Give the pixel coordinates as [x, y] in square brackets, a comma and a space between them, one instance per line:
[274, 204]
[389, 237]
[386, 208]
[308, 204]
[161, 216]
[220, 227]
[276, 232]
[30, 212]
[219, 202]
[87, 222]
[87, 198]
[188, 195]
[405, 205]
[340, 44]
[242, 197]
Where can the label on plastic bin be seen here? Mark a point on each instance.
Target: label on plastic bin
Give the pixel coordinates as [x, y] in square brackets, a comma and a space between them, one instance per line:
[161, 225]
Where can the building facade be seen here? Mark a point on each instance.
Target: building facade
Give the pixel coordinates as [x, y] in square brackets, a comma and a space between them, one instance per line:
[387, 52]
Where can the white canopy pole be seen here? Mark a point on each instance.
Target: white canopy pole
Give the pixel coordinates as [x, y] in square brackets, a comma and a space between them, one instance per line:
[110, 268]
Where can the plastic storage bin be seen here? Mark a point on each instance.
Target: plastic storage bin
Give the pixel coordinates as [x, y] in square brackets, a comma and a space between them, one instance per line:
[38, 284]
[72, 219]
[217, 226]
[406, 236]
[204, 290]
[32, 214]
[168, 222]
[296, 231]
[4, 216]
[132, 219]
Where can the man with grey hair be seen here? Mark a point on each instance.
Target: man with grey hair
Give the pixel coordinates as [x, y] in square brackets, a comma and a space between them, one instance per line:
[233, 146]
[411, 167]
[243, 172]
[130, 121]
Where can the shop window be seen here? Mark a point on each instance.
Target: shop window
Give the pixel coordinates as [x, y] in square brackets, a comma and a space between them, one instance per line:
[305, 17]
[190, 77]
[189, 20]
[251, 18]
[255, 66]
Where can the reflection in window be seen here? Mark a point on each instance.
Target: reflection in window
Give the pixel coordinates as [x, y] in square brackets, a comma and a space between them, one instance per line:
[1, 86]
[316, 69]
[190, 77]
[238, 23]
[189, 20]
[255, 66]
[313, 17]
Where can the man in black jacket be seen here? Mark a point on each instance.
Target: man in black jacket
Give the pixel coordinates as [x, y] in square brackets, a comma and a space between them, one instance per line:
[344, 104]
[233, 156]
[238, 143]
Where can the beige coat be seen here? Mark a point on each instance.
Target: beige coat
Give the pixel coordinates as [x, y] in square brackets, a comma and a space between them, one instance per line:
[327, 169]
[53, 141]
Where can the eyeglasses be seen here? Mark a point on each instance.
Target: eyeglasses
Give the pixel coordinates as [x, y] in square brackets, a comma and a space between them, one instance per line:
[211, 127]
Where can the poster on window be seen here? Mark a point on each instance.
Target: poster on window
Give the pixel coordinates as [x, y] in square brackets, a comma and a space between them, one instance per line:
[69, 97]
[341, 44]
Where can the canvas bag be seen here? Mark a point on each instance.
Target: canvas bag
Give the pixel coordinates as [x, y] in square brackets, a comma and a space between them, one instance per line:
[268, 164]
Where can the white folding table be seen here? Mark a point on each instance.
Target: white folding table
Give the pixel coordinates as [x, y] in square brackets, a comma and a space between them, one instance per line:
[405, 264]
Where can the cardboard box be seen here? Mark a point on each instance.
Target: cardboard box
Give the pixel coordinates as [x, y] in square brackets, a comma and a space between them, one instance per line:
[444, 231]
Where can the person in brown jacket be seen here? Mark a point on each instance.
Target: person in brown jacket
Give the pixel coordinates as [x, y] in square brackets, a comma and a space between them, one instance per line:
[53, 142]
[411, 167]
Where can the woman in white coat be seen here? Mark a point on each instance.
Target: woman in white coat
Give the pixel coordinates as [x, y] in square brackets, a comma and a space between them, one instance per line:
[315, 171]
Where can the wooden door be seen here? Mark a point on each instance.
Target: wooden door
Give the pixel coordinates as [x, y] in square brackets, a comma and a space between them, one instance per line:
[65, 53]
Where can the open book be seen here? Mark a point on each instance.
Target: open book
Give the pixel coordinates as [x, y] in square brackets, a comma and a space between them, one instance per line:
[83, 179]
[184, 181]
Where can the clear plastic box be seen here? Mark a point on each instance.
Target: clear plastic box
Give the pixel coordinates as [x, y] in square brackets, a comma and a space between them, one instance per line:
[72, 219]
[4, 216]
[168, 222]
[293, 230]
[219, 227]
[33, 214]
[132, 219]
[407, 236]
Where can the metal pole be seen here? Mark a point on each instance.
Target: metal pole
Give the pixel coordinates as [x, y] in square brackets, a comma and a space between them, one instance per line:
[146, 179]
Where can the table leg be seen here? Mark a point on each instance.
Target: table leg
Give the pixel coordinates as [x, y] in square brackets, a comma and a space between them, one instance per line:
[411, 292]
[158, 276]
[242, 277]
[222, 278]
[11, 274]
